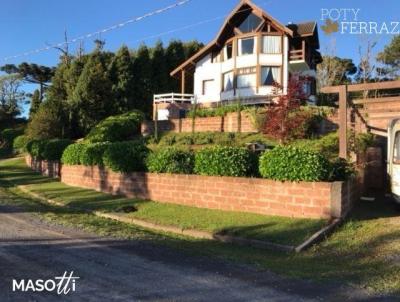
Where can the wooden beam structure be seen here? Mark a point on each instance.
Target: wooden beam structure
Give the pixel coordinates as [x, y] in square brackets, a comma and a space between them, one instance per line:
[183, 83]
[343, 121]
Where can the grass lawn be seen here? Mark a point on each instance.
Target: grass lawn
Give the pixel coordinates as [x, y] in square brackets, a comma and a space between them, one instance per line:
[280, 230]
[364, 252]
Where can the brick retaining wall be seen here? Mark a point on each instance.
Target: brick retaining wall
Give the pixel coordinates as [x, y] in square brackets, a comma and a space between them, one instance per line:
[44, 167]
[229, 123]
[307, 200]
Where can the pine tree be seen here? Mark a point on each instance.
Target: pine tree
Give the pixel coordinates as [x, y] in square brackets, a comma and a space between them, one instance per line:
[160, 74]
[143, 82]
[35, 103]
[92, 96]
[123, 80]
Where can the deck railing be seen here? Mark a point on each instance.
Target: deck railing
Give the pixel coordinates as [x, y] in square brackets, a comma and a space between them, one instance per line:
[171, 98]
[297, 55]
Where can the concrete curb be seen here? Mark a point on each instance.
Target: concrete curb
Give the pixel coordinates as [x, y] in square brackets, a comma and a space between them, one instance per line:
[314, 239]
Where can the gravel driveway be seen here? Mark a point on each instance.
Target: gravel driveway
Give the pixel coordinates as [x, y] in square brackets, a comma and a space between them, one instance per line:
[113, 270]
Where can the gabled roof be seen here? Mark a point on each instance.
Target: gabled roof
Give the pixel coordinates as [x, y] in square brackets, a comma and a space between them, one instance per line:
[305, 29]
[238, 12]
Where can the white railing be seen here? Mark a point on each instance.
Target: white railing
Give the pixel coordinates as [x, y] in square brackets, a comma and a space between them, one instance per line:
[172, 98]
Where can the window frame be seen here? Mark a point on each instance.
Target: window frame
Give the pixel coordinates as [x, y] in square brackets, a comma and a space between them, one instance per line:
[240, 46]
[223, 81]
[270, 66]
[271, 53]
[396, 161]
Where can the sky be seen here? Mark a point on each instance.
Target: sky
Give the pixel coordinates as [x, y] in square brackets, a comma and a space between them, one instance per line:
[27, 25]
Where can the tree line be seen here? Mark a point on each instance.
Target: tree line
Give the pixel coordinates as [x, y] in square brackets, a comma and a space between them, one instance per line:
[84, 89]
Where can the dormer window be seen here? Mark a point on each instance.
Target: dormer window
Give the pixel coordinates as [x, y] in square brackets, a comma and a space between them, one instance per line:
[250, 24]
[246, 46]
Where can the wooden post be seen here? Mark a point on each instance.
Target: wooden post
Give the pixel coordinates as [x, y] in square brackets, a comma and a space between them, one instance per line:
[343, 122]
[156, 122]
[183, 81]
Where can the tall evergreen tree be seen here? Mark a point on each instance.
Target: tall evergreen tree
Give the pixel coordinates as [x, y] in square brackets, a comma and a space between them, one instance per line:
[92, 96]
[35, 103]
[175, 55]
[390, 57]
[123, 81]
[143, 81]
[160, 74]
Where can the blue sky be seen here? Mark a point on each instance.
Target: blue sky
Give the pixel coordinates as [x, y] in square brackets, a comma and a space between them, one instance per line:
[27, 25]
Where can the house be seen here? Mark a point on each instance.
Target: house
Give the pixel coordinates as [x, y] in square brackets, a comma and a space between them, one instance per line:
[250, 53]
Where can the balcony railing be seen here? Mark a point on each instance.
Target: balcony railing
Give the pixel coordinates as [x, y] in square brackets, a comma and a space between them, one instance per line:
[171, 98]
[297, 55]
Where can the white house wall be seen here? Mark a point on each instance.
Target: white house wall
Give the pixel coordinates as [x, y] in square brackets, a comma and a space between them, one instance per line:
[206, 70]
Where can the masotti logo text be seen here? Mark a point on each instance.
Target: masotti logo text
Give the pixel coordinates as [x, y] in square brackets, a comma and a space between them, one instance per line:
[64, 284]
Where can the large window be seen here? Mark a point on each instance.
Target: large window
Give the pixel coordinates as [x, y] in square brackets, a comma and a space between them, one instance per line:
[208, 86]
[272, 44]
[270, 75]
[246, 46]
[246, 77]
[228, 81]
[251, 23]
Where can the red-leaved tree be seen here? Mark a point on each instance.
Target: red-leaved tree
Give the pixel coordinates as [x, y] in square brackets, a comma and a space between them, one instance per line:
[284, 118]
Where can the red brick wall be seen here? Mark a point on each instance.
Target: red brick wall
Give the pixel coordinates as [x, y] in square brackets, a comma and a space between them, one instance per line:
[308, 200]
[44, 167]
[229, 123]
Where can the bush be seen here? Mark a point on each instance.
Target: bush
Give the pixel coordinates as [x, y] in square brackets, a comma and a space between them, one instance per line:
[126, 156]
[117, 128]
[92, 154]
[171, 160]
[72, 154]
[287, 163]
[20, 143]
[224, 161]
[36, 148]
[53, 149]
[341, 170]
[8, 135]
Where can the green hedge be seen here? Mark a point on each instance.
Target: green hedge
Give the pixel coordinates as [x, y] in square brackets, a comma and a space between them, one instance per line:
[72, 154]
[8, 135]
[54, 148]
[92, 154]
[224, 161]
[126, 156]
[287, 163]
[35, 148]
[117, 128]
[171, 160]
[20, 143]
[47, 149]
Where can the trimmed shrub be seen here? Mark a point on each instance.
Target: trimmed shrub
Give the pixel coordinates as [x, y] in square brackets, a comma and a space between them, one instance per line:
[171, 160]
[36, 148]
[72, 154]
[117, 128]
[126, 156]
[92, 154]
[20, 143]
[53, 149]
[287, 163]
[224, 161]
[8, 135]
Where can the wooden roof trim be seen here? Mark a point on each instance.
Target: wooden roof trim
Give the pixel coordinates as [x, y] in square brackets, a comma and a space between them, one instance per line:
[209, 46]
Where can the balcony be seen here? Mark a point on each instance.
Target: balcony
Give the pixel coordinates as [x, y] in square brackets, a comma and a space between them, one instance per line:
[173, 98]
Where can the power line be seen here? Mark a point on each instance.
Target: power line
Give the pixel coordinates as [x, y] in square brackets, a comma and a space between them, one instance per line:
[190, 25]
[99, 32]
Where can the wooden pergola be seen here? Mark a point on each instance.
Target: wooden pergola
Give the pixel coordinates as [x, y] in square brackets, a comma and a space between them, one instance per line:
[344, 101]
